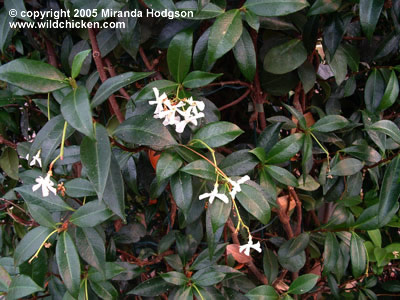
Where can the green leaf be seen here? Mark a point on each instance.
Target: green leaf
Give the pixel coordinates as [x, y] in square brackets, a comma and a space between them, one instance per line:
[9, 162]
[307, 76]
[91, 214]
[259, 153]
[254, 201]
[391, 92]
[164, 86]
[75, 109]
[374, 90]
[51, 202]
[323, 7]
[5, 29]
[370, 10]
[179, 55]
[79, 187]
[68, 263]
[273, 8]
[331, 252]
[330, 123]
[30, 244]
[198, 79]
[338, 64]
[175, 278]
[225, 32]
[113, 84]
[42, 216]
[200, 168]
[182, 191]
[281, 175]
[310, 184]
[346, 167]
[263, 292]
[151, 288]
[294, 246]
[357, 255]
[376, 237]
[77, 62]
[91, 247]
[114, 193]
[270, 264]
[245, 55]
[303, 284]
[390, 190]
[167, 165]
[32, 75]
[104, 289]
[216, 134]
[387, 127]
[285, 57]
[219, 212]
[145, 130]
[5, 279]
[96, 158]
[207, 278]
[285, 149]
[238, 163]
[298, 115]
[22, 286]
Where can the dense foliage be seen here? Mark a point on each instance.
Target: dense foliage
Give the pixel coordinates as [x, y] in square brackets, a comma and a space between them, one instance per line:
[247, 152]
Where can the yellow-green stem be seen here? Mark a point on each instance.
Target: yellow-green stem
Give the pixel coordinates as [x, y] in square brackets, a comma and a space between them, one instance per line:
[41, 246]
[197, 290]
[323, 149]
[61, 155]
[48, 106]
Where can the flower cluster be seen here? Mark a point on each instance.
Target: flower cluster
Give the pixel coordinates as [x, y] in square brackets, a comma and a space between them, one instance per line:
[178, 112]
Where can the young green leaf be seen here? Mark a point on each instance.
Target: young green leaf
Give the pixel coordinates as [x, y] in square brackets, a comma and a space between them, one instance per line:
[303, 284]
[179, 55]
[77, 62]
[391, 92]
[68, 263]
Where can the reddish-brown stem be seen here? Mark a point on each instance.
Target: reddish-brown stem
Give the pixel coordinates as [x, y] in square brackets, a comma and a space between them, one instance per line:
[298, 209]
[51, 55]
[173, 213]
[234, 102]
[285, 220]
[222, 83]
[103, 76]
[3, 141]
[142, 263]
[147, 63]
[112, 73]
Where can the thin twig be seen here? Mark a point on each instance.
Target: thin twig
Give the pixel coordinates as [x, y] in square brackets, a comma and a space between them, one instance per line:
[293, 194]
[112, 73]
[7, 142]
[234, 102]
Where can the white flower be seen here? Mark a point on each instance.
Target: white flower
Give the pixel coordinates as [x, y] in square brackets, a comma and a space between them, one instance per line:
[197, 104]
[35, 159]
[236, 185]
[246, 248]
[46, 184]
[214, 194]
[160, 101]
[188, 118]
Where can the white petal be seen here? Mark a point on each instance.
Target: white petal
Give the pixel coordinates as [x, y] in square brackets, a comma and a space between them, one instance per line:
[156, 92]
[223, 197]
[180, 127]
[45, 191]
[36, 187]
[243, 179]
[205, 195]
[257, 247]
[53, 190]
[200, 105]
[242, 248]
[32, 163]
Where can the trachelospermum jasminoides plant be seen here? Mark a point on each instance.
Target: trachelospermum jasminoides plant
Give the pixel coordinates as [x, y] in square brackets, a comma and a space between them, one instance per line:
[247, 151]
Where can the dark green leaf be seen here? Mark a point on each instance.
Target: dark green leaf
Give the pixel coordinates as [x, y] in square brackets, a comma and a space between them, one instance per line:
[294, 246]
[104, 289]
[323, 7]
[76, 110]
[91, 214]
[9, 162]
[369, 15]
[219, 212]
[5, 279]
[285, 149]
[387, 127]
[298, 115]
[145, 130]
[245, 55]
[42, 216]
[346, 167]
[307, 76]
[281, 175]
[270, 264]
[331, 252]
[200, 168]
[175, 278]
[168, 164]
[338, 64]
[238, 163]
[51, 202]
[30, 244]
[198, 79]
[253, 200]
[164, 86]
[79, 187]
[77, 63]
[22, 286]
[374, 90]
[207, 278]
[113, 84]
[357, 255]
[303, 284]
[151, 288]
[225, 32]
[285, 57]
[216, 134]
[32, 75]
[96, 158]
[391, 92]
[268, 138]
[68, 263]
[91, 247]
[272, 8]
[330, 123]
[5, 29]
[390, 190]
[179, 54]
[182, 191]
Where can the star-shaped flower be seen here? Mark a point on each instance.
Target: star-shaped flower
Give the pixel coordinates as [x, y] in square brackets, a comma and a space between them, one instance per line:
[246, 248]
[160, 101]
[196, 104]
[46, 184]
[236, 185]
[188, 118]
[35, 159]
[214, 194]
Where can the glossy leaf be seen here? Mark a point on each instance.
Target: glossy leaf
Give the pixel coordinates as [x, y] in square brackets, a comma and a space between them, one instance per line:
[387, 127]
[225, 32]
[303, 284]
[270, 264]
[9, 163]
[182, 190]
[374, 90]
[272, 8]
[285, 57]
[104, 289]
[281, 175]
[198, 79]
[216, 134]
[77, 63]
[370, 11]
[91, 247]
[179, 55]
[32, 75]
[175, 278]
[91, 214]
[68, 263]
[76, 111]
[42, 216]
[238, 163]
[324, 7]
[245, 55]
[79, 187]
[357, 255]
[285, 149]
[330, 123]
[346, 167]
[22, 286]
[200, 168]
[391, 92]
[253, 200]
[168, 164]
[96, 158]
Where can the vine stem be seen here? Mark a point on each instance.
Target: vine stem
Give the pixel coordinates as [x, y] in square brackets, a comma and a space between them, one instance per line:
[41, 246]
